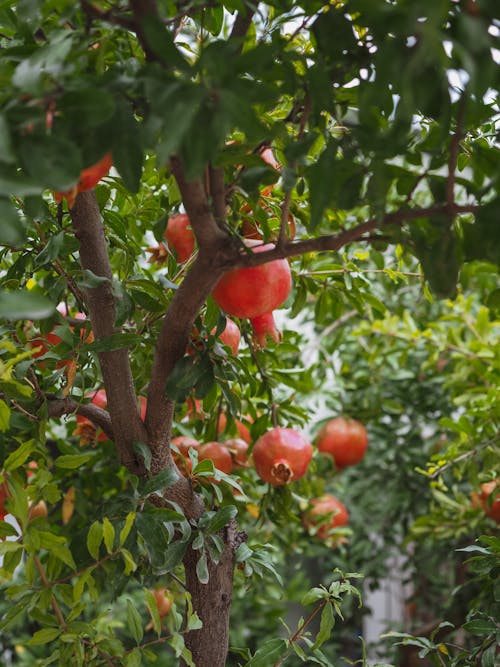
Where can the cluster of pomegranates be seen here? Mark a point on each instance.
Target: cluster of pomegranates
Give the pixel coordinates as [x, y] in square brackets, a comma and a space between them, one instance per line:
[252, 293]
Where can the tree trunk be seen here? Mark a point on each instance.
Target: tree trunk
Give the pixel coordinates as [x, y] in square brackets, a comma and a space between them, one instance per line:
[212, 601]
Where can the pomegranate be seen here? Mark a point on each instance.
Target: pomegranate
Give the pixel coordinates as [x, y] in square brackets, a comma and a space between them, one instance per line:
[281, 456]
[255, 290]
[238, 449]
[345, 440]
[264, 327]
[46, 341]
[327, 512]
[85, 428]
[218, 454]
[180, 237]
[243, 431]
[163, 602]
[231, 337]
[88, 179]
[489, 499]
[91, 176]
[182, 460]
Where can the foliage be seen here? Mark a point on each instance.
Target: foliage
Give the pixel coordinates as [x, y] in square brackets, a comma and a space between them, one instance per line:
[383, 118]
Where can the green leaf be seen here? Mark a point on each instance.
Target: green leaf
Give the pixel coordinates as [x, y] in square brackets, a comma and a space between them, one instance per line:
[125, 531]
[489, 657]
[326, 625]
[313, 595]
[127, 149]
[480, 627]
[160, 41]
[144, 452]
[44, 636]
[93, 106]
[153, 610]
[202, 568]
[174, 555]
[221, 518]
[108, 531]
[21, 305]
[6, 152]
[117, 341]
[19, 456]
[72, 461]
[12, 232]
[163, 480]
[268, 653]
[134, 622]
[94, 539]
[133, 659]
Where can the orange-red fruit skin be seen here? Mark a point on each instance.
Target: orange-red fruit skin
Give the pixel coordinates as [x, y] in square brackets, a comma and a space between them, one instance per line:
[238, 449]
[346, 440]
[322, 506]
[163, 602]
[255, 290]
[184, 443]
[231, 336]
[99, 399]
[281, 456]
[490, 505]
[91, 176]
[218, 454]
[180, 237]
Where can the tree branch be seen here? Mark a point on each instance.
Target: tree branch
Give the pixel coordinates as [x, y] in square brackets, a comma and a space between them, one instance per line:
[194, 197]
[115, 365]
[68, 406]
[241, 26]
[337, 241]
[218, 194]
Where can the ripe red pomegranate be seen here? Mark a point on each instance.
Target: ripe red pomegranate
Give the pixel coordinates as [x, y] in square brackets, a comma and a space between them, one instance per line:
[238, 449]
[489, 499]
[242, 429]
[180, 237]
[85, 428]
[255, 291]
[88, 179]
[281, 456]
[327, 511]
[218, 454]
[231, 337]
[345, 440]
[183, 443]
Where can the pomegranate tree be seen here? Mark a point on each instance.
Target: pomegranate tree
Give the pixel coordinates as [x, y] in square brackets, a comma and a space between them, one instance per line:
[345, 440]
[281, 456]
[255, 291]
[326, 512]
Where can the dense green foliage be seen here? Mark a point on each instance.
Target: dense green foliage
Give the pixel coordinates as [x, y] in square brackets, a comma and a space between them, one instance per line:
[383, 118]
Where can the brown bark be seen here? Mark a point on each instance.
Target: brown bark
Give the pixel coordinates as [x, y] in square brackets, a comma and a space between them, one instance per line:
[128, 427]
[212, 601]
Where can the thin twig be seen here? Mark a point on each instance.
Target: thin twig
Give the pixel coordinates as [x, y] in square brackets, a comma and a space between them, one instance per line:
[46, 583]
[463, 457]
